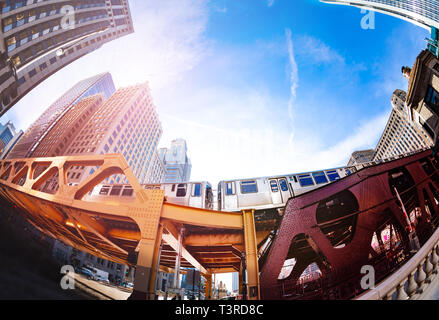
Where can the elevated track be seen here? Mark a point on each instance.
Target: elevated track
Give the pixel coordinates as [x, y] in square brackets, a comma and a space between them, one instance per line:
[333, 226]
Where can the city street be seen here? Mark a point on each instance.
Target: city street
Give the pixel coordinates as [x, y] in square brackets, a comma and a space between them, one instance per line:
[108, 292]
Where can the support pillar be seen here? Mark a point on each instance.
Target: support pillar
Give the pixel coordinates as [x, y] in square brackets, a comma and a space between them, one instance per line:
[178, 260]
[208, 288]
[241, 281]
[251, 255]
[145, 276]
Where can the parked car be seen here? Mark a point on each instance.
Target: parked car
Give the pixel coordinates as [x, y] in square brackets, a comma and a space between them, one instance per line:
[86, 272]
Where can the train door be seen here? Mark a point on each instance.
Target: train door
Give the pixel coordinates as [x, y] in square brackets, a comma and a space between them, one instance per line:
[230, 197]
[196, 197]
[280, 193]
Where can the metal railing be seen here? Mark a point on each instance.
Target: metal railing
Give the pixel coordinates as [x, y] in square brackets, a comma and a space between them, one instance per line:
[413, 278]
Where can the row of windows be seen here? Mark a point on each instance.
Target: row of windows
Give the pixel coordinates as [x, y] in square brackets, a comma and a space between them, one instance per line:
[23, 18]
[52, 60]
[9, 5]
[62, 36]
[305, 180]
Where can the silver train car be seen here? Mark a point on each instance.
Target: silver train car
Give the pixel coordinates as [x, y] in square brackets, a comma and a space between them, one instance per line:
[273, 191]
[264, 194]
[192, 194]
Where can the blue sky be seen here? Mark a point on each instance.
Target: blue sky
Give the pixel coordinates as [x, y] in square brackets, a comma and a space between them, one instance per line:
[256, 87]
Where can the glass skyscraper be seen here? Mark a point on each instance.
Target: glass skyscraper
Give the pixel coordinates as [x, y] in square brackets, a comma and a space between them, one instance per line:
[102, 83]
[178, 165]
[424, 13]
[8, 138]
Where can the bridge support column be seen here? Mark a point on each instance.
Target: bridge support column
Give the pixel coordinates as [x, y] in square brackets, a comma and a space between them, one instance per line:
[251, 255]
[241, 282]
[208, 288]
[145, 276]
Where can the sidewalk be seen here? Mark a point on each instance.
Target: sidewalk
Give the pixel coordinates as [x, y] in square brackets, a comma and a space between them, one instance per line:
[107, 292]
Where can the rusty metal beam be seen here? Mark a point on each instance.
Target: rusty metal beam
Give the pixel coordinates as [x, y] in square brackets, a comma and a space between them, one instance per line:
[202, 217]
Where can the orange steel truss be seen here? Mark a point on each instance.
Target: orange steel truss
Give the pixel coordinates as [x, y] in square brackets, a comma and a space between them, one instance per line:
[145, 226]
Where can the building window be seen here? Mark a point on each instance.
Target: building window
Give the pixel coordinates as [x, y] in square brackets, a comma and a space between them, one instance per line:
[432, 99]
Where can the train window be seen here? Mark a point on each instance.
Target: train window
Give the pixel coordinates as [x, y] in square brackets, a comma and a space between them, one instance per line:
[181, 190]
[305, 180]
[333, 175]
[104, 190]
[320, 177]
[116, 190]
[196, 190]
[230, 190]
[283, 185]
[173, 188]
[127, 192]
[249, 186]
[274, 187]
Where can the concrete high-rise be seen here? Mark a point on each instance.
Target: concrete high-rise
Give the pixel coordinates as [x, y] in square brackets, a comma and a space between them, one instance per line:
[424, 13]
[38, 38]
[178, 165]
[361, 156]
[127, 123]
[423, 93]
[57, 140]
[401, 135]
[36, 133]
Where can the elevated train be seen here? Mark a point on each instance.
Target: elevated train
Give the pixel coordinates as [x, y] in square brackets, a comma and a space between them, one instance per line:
[264, 194]
[192, 194]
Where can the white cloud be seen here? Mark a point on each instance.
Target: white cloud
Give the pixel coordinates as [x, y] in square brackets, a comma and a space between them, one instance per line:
[233, 129]
[270, 3]
[318, 51]
[220, 9]
[294, 79]
[315, 157]
[168, 42]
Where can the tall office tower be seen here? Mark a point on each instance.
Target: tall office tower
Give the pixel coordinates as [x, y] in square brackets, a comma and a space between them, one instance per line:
[156, 171]
[401, 135]
[127, 123]
[178, 165]
[8, 138]
[26, 146]
[424, 13]
[38, 38]
[361, 156]
[57, 140]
